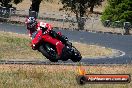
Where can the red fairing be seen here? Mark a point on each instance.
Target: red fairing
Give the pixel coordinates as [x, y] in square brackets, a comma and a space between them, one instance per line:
[47, 38]
[55, 42]
[37, 38]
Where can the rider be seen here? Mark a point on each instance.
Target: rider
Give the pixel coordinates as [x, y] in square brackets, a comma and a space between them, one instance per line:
[33, 26]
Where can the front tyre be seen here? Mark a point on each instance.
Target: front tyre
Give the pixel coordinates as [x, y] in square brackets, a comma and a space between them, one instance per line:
[48, 56]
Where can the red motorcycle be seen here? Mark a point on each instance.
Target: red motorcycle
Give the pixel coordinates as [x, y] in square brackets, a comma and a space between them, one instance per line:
[49, 50]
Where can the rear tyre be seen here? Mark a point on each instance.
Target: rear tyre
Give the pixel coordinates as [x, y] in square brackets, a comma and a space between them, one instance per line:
[64, 59]
[48, 56]
[53, 60]
[76, 56]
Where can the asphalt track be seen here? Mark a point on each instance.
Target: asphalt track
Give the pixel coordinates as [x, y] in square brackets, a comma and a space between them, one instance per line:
[119, 42]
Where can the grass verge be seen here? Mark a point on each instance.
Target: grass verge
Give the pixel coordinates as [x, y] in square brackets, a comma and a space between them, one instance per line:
[45, 76]
[16, 46]
[92, 50]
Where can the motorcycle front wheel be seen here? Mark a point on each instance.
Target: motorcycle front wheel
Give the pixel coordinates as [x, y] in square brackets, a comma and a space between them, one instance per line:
[50, 57]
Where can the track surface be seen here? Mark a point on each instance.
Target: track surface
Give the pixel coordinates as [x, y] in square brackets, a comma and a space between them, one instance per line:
[120, 42]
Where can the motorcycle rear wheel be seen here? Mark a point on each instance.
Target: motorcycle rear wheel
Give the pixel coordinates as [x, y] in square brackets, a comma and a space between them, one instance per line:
[76, 57]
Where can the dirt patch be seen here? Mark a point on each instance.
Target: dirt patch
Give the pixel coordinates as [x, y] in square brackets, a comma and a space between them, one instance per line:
[51, 10]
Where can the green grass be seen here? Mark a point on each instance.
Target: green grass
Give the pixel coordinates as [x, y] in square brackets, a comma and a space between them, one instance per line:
[15, 46]
[43, 76]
